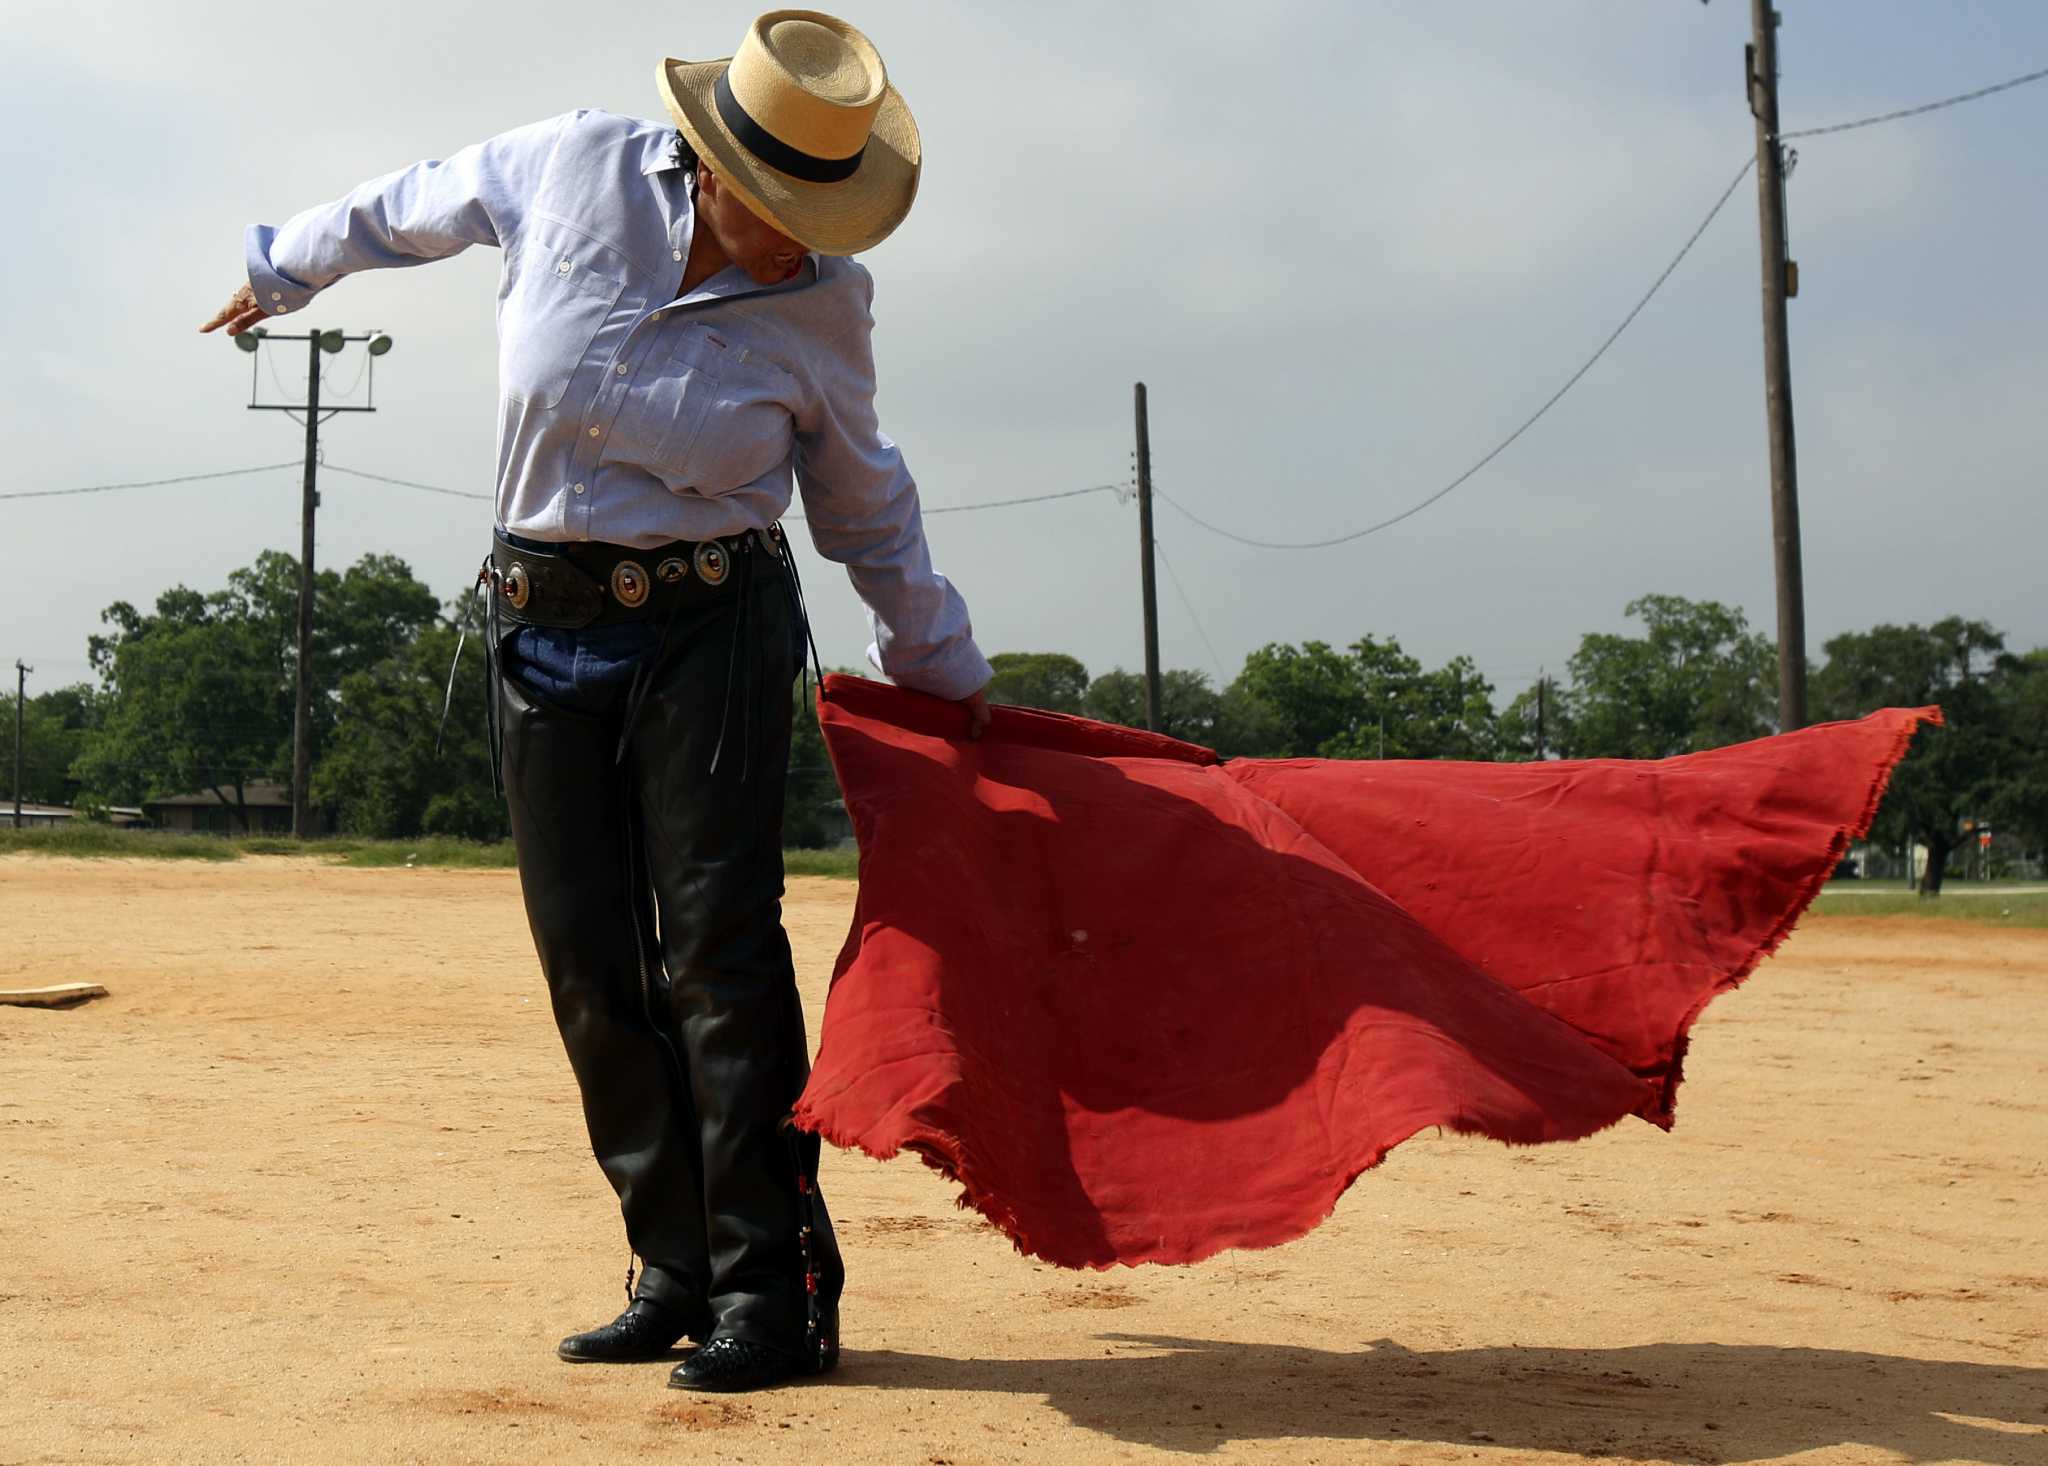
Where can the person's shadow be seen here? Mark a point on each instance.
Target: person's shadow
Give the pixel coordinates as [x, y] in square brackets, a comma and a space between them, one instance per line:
[1713, 1403]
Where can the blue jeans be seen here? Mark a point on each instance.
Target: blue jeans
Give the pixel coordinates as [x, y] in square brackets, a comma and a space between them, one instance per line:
[586, 670]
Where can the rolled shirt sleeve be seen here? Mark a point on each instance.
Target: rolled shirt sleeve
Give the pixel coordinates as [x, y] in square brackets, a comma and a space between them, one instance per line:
[861, 504]
[426, 212]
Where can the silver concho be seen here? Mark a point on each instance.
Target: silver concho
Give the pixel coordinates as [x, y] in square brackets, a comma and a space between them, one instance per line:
[713, 563]
[672, 570]
[514, 587]
[629, 583]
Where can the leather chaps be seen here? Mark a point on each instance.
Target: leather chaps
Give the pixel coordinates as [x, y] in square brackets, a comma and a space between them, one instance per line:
[653, 885]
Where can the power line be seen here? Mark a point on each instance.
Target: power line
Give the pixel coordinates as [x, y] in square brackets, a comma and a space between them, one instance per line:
[406, 483]
[1029, 499]
[1507, 442]
[425, 488]
[1189, 606]
[1921, 110]
[1118, 489]
[362, 369]
[148, 483]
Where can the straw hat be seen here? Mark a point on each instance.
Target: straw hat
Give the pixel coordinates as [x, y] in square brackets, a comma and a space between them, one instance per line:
[803, 125]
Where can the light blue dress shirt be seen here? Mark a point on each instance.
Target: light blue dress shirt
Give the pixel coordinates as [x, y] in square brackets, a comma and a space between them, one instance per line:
[631, 416]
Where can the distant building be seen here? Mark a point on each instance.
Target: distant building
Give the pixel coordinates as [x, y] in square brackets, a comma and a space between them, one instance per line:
[268, 805]
[50, 816]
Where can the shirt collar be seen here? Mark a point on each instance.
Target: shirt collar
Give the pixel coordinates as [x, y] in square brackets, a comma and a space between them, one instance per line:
[659, 153]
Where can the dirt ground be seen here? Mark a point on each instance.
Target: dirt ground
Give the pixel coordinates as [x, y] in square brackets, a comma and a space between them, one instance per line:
[311, 1186]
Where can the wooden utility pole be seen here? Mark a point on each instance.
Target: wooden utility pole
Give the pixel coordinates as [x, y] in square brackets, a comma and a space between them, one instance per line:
[302, 694]
[1762, 66]
[20, 701]
[1542, 689]
[377, 344]
[1150, 589]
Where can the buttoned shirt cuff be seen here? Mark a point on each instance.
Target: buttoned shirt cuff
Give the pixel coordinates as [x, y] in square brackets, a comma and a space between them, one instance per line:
[275, 291]
[954, 673]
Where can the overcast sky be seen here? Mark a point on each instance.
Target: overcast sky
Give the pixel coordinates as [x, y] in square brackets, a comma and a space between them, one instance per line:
[1348, 247]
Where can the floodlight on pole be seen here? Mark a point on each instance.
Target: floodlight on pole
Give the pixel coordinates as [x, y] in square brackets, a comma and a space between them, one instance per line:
[250, 340]
[379, 343]
[330, 342]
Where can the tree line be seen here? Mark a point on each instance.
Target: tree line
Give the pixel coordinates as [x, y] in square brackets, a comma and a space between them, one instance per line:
[196, 694]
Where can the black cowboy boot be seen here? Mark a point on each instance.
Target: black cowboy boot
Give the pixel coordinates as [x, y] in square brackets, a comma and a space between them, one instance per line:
[646, 1330]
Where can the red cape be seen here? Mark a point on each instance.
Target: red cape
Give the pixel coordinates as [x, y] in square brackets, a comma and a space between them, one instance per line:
[1145, 1005]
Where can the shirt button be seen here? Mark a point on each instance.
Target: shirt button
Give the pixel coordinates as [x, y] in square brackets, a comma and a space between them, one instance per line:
[282, 309]
[679, 254]
[579, 488]
[277, 295]
[593, 432]
[622, 369]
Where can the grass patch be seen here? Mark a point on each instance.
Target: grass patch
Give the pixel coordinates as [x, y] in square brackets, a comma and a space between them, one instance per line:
[840, 864]
[427, 850]
[104, 841]
[1986, 907]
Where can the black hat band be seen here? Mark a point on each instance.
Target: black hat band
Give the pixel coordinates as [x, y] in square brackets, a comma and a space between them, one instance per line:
[772, 150]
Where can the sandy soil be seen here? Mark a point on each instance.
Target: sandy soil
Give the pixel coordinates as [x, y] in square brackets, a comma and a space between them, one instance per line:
[311, 1186]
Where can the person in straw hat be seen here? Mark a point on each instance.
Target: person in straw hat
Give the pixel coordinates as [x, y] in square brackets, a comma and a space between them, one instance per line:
[683, 343]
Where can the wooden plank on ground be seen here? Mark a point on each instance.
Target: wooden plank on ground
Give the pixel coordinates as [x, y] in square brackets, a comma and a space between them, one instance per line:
[63, 995]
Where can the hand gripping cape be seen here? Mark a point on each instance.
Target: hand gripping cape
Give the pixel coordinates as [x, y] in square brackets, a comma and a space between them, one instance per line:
[1145, 1005]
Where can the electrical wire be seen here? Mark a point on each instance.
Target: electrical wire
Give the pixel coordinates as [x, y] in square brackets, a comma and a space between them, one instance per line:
[1189, 606]
[1507, 442]
[406, 483]
[148, 483]
[270, 360]
[362, 369]
[929, 510]
[1921, 110]
[1026, 499]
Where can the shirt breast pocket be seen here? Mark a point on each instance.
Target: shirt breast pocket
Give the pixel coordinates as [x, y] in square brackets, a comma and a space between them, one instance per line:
[713, 415]
[561, 294]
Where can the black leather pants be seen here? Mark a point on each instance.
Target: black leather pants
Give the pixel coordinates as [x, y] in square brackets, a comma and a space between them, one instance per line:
[653, 886]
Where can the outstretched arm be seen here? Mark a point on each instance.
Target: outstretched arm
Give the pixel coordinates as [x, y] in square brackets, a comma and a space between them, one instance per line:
[426, 212]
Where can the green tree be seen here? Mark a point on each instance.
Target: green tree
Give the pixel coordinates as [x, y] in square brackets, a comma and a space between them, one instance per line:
[191, 705]
[54, 727]
[380, 770]
[1406, 711]
[1955, 772]
[1697, 678]
[1188, 706]
[1247, 726]
[1534, 724]
[811, 791]
[1313, 691]
[1049, 680]
[1371, 701]
[222, 667]
[361, 616]
[2020, 802]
